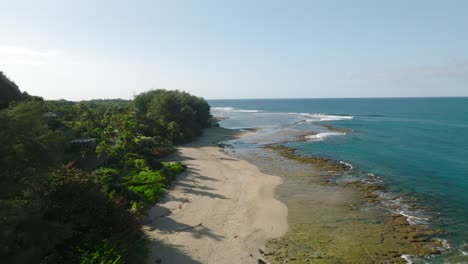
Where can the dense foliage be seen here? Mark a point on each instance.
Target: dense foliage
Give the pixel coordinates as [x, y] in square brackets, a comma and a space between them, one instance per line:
[8, 91]
[77, 178]
[172, 115]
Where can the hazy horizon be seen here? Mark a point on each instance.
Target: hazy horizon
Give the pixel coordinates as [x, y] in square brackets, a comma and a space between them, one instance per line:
[82, 50]
[305, 98]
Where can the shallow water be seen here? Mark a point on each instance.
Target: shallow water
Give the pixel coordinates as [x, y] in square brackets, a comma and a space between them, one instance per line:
[416, 147]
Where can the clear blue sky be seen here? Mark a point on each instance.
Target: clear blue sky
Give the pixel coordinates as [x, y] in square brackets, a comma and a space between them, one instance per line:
[83, 49]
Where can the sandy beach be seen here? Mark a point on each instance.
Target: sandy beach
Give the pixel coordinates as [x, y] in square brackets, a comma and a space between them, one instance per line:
[222, 210]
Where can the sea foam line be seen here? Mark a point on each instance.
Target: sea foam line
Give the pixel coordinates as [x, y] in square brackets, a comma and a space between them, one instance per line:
[323, 135]
[233, 110]
[321, 117]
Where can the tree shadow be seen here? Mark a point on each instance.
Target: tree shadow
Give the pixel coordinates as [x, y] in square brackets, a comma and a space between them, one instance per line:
[167, 225]
[212, 137]
[159, 217]
[168, 197]
[194, 185]
[172, 253]
[205, 178]
[203, 193]
[160, 220]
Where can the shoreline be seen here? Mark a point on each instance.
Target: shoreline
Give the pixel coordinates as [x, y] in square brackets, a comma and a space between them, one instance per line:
[222, 210]
[333, 221]
[308, 213]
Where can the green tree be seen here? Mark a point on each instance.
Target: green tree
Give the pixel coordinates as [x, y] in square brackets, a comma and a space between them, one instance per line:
[27, 150]
[176, 115]
[118, 136]
[9, 91]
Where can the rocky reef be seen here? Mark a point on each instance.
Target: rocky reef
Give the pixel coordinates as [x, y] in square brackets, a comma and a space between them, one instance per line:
[353, 228]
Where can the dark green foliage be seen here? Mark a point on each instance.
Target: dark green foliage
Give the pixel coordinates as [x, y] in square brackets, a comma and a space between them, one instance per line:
[61, 202]
[9, 91]
[74, 198]
[153, 146]
[27, 150]
[27, 146]
[118, 135]
[98, 253]
[177, 116]
[25, 236]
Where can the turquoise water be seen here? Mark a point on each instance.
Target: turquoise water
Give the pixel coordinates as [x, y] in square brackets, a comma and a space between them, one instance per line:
[417, 146]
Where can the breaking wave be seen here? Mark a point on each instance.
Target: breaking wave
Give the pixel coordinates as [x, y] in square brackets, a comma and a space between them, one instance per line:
[233, 110]
[323, 135]
[321, 117]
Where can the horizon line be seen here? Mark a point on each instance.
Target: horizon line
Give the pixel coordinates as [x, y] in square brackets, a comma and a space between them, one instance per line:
[300, 98]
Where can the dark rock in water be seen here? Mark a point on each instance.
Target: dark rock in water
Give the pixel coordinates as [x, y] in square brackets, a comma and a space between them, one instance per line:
[320, 163]
[224, 145]
[260, 261]
[158, 261]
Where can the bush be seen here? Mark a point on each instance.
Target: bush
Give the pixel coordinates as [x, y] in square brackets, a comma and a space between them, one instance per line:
[102, 253]
[148, 184]
[74, 198]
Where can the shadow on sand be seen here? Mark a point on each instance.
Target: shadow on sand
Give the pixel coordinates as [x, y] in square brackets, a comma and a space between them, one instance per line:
[177, 254]
[160, 216]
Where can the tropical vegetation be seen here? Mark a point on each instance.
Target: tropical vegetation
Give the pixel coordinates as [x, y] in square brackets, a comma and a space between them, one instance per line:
[76, 178]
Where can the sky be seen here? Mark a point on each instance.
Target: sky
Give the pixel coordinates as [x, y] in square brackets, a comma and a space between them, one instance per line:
[225, 49]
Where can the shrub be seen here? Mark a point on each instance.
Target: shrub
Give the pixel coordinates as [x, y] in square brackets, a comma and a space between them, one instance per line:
[148, 184]
[101, 253]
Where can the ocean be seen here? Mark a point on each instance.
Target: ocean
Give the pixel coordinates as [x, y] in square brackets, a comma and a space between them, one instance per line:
[417, 147]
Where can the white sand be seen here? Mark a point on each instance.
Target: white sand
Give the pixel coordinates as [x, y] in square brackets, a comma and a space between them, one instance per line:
[222, 210]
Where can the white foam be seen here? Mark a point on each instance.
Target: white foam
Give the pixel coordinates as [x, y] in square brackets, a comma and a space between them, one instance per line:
[232, 109]
[413, 220]
[413, 216]
[246, 111]
[321, 117]
[222, 108]
[323, 135]
[407, 258]
[347, 165]
[445, 245]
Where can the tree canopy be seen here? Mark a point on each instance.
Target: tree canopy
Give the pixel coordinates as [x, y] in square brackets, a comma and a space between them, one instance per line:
[9, 91]
[76, 178]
